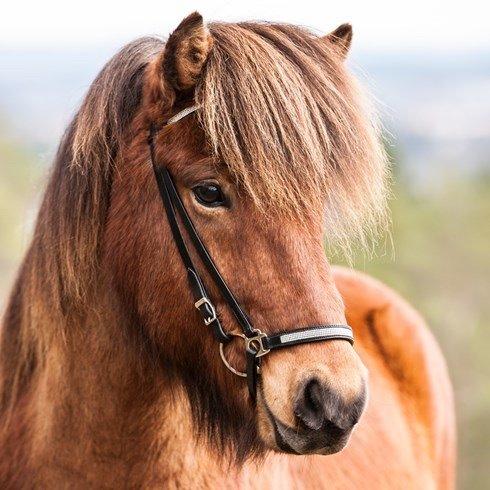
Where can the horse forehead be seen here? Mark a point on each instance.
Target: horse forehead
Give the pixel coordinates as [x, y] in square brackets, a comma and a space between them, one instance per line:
[190, 158]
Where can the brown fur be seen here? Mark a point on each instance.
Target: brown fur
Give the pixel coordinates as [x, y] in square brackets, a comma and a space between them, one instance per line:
[108, 377]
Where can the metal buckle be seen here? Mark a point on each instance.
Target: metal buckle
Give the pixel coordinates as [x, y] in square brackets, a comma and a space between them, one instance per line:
[256, 343]
[205, 301]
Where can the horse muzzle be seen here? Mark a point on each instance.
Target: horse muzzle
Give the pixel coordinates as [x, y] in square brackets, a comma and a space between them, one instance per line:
[323, 421]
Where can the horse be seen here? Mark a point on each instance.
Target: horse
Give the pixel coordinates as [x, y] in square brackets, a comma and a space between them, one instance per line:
[109, 376]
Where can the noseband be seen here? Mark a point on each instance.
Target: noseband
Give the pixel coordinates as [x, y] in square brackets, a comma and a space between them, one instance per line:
[257, 343]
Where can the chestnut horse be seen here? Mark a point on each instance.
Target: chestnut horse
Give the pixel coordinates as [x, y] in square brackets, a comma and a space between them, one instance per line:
[109, 379]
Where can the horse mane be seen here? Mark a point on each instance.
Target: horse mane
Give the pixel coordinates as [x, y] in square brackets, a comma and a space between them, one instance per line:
[293, 128]
[59, 271]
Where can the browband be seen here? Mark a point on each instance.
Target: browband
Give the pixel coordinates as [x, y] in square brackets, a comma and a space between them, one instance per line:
[183, 113]
[257, 343]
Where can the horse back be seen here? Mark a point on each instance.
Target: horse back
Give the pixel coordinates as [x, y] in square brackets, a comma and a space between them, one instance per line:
[411, 393]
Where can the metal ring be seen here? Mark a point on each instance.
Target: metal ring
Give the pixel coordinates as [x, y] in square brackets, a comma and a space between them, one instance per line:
[225, 361]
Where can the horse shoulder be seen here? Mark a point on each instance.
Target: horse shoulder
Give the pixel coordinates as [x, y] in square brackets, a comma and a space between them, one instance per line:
[387, 328]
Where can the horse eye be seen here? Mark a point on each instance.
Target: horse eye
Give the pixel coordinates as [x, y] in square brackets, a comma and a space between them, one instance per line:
[209, 195]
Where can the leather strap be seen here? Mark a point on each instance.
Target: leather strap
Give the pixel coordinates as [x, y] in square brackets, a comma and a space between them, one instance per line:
[310, 334]
[201, 297]
[253, 369]
[240, 315]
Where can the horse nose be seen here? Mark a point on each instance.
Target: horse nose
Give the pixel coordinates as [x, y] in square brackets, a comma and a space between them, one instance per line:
[318, 407]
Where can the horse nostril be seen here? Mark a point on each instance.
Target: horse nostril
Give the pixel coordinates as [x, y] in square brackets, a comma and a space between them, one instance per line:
[310, 405]
[317, 407]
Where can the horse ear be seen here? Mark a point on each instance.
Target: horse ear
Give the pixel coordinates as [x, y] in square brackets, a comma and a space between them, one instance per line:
[341, 38]
[186, 52]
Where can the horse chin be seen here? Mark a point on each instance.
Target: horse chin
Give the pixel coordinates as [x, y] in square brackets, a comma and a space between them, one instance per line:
[282, 438]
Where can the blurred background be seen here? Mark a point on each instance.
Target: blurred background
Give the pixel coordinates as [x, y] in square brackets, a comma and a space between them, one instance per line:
[428, 65]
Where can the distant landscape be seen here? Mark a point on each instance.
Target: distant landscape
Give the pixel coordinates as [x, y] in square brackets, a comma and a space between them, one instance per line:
[436, 105]
[436, 111]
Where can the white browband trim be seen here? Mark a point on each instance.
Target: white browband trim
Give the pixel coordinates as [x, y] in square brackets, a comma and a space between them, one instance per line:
[315, 332]
[183, 113]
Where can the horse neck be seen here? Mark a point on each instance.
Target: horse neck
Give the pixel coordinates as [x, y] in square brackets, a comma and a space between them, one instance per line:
[99, 406]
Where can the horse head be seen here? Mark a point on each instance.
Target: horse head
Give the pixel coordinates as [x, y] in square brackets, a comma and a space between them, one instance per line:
[278, 153]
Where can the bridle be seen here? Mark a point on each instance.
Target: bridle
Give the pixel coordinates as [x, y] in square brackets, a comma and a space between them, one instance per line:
[257, 343]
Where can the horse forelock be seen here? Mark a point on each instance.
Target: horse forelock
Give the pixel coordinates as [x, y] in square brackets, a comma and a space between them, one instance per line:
[282, 113]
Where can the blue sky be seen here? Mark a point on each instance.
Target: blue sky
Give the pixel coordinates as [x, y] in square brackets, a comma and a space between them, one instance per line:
[378, 24]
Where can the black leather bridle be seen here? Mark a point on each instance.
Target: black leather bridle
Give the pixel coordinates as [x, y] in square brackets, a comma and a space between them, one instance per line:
[257, 343]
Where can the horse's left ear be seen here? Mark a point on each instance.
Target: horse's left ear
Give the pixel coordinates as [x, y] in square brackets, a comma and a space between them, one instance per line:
[341, 38]
[185, 53]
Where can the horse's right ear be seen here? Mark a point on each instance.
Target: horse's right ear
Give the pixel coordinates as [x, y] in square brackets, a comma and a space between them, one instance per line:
[185, 53]
[341, 38]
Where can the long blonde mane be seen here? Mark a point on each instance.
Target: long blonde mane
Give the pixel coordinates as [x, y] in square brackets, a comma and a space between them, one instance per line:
[281, 111]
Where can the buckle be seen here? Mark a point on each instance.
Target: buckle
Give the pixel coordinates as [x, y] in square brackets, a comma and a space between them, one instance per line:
[256, 343]
[205, 301]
